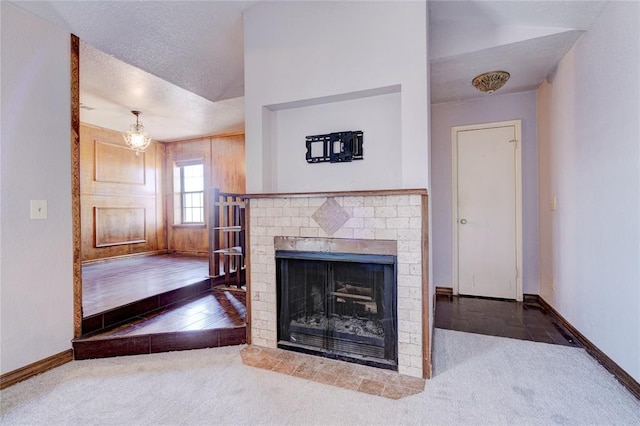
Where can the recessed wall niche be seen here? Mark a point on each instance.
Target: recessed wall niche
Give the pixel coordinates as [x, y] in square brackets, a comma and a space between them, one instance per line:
[375, 111]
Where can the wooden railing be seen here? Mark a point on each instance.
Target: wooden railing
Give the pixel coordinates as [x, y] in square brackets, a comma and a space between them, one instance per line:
[227, 235]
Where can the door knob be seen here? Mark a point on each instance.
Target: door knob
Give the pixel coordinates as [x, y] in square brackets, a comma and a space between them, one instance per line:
[463, 221]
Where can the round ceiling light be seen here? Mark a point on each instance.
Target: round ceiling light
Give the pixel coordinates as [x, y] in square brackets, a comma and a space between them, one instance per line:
[490, 81]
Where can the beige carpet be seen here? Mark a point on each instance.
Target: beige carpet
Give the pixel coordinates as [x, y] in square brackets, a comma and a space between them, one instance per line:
[479, 380]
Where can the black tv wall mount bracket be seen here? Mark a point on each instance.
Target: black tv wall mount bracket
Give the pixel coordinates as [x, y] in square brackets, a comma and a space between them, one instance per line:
[339, 147]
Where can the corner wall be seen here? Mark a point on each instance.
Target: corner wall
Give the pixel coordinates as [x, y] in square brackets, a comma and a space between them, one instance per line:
[36, 311]
[516, 106]
[589, 159]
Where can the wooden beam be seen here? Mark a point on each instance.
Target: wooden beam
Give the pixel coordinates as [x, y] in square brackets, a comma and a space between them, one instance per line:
[75, 185]
[247, 260]
[426, 299]
[339, 193]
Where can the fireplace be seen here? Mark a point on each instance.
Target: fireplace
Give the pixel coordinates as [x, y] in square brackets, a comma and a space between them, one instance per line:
[338, 305]
[389, 223]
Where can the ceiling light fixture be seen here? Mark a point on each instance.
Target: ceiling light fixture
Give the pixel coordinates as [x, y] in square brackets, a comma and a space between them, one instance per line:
[136, 138]
[490, 81]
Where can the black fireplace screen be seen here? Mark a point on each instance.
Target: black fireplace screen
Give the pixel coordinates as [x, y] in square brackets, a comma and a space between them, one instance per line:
[338, 305]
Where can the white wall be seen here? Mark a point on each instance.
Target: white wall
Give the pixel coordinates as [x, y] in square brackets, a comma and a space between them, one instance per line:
[379, 115]
[517, 106]
[36, 311]
[589, 148]
[312, 53]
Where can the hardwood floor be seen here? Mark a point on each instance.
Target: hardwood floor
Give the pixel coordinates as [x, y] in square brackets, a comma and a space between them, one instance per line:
[504, 318]
[116, 283]
[156, 304]
[215, 309]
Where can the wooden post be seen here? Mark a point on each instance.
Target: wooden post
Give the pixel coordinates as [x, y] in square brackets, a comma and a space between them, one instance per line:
[214, 233]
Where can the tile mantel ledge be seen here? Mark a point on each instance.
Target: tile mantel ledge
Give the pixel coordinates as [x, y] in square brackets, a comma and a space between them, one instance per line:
[372, 193]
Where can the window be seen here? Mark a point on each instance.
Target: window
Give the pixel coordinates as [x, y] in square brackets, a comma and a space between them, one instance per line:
[188, 181]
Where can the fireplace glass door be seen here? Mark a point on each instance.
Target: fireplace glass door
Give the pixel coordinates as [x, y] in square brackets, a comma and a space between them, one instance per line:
[338, 305]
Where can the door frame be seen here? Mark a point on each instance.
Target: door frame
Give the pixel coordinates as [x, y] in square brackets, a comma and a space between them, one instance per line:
[517, 124]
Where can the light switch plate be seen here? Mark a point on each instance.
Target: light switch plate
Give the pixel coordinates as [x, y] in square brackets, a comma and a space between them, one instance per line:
[38, 209]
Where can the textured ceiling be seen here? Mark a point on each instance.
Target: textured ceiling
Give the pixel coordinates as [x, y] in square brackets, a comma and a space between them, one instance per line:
[525, 38]
[551, 13]
[181, 62]
[110, 89]
[196, 45]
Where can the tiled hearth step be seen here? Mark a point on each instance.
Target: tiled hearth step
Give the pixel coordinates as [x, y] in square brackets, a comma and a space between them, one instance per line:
[211, 319]
[360, 378]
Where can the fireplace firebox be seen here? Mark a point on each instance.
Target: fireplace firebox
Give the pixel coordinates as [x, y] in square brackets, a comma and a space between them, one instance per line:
[338, 305]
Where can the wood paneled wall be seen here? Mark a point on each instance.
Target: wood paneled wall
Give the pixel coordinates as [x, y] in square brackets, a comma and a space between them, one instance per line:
[122, 203]
[127, 201]
[224, 159]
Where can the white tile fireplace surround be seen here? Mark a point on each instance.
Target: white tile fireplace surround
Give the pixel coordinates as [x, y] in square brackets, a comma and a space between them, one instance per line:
[359, 217]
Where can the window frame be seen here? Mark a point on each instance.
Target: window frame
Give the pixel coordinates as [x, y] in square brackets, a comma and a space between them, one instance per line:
[181, 194]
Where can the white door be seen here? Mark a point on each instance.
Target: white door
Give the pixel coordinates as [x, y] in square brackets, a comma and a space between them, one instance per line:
[487, 210]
